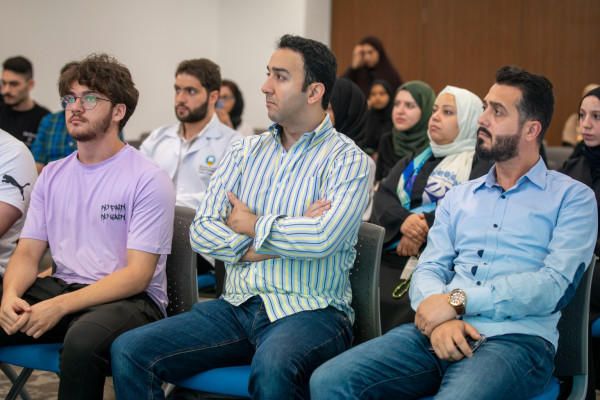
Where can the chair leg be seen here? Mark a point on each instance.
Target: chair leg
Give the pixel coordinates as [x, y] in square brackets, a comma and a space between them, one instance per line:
[19, 383]
[12, 376]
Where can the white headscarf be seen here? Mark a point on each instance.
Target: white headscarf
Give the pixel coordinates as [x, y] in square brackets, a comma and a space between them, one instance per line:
[455, 168]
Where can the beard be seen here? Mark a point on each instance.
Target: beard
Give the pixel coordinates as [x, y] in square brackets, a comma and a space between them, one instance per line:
[195, 115]
[503, 148]
[15, 101]
[95, 130]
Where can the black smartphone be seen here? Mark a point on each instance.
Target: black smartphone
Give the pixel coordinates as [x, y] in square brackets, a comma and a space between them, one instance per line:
[475, 344]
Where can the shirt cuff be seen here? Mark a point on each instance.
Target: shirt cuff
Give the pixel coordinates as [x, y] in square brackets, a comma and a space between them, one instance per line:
[262, 229]
[479, 301]
[239, 244]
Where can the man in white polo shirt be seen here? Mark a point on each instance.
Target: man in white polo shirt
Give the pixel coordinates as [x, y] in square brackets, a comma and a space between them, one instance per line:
[191, 151]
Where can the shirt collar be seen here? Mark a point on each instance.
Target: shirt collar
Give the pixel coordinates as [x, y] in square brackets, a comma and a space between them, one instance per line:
[314, 137]
[536, 175]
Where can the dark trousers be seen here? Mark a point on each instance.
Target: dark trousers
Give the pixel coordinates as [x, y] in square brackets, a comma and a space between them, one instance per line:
[86, 336]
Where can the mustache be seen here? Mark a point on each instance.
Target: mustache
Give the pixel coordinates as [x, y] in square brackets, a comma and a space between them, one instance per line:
[484, 130]
[78, 116]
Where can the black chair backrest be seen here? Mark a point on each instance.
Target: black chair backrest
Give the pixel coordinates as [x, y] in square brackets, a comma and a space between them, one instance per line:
[572, 357]
[182, 284]
[364, 279]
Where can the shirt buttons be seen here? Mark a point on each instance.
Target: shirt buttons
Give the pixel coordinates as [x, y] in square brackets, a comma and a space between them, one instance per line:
[495, 225]
[478, 283]
[503, 197]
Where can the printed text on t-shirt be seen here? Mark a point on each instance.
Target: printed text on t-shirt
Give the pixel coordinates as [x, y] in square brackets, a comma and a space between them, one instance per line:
[115, 212]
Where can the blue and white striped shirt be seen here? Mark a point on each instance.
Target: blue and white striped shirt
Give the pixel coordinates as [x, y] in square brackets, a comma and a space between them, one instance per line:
[278, 186]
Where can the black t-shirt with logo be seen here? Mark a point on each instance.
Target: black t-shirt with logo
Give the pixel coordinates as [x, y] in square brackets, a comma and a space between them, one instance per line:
[22, 124]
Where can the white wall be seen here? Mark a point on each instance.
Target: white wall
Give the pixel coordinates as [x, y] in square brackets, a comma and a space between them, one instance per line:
[152, 36]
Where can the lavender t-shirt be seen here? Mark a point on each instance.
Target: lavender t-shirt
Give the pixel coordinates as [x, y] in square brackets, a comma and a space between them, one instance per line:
[91, 214]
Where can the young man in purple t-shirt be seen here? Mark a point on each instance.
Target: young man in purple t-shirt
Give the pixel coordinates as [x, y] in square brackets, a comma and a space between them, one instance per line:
[106, 211]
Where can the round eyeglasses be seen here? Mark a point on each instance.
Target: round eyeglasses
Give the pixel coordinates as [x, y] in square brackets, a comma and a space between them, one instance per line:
[87, 101]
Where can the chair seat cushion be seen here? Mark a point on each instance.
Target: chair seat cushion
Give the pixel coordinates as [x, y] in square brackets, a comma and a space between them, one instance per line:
[36, 356]
[232, 381]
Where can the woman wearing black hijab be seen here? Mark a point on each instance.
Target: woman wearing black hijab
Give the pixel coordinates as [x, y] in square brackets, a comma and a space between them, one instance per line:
[380, 115]
[369, 63]
[584, 166]
[349, 108]
[348, 113]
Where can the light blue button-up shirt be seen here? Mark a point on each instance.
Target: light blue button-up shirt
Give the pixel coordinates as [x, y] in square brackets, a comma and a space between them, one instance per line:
[316, 254]
[517, 254]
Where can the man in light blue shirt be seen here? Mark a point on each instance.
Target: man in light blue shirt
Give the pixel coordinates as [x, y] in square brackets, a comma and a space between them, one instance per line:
[503, 258]
[283, 211]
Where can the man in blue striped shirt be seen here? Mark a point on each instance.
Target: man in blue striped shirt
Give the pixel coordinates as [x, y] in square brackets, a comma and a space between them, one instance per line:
[283, 211]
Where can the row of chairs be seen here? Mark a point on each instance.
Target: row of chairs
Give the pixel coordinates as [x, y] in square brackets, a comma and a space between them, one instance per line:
[570, 361]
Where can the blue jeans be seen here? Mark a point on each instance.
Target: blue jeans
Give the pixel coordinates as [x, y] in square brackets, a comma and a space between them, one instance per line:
[283, 354]
[399, 365]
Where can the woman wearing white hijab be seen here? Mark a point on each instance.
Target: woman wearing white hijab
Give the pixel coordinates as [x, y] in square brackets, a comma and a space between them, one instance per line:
[405, 201]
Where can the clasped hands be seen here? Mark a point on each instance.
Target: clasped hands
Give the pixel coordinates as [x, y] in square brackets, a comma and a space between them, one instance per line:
[414, 231]
[436, 319]
[16, 315]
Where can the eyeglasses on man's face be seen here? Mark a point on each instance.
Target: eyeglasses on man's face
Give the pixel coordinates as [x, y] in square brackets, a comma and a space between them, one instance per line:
[88, 101]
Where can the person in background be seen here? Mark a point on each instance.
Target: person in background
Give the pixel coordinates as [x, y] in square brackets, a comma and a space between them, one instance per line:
[191, 150]
[379, 122]
[230, 108]
[348, 113]
[413, 103]
[370, 63]
[571, 134]
[584, 165]
[19, 115]
[406, 199]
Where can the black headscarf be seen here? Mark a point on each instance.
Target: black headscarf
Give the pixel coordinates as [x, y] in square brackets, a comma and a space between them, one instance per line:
[364, 77]
[592, 154]
[238, 108]
[349, 109]
[379, 121]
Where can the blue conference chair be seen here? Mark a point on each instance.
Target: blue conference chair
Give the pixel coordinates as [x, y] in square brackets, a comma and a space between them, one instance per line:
[181, 289]
[571, 359]
[364, 278]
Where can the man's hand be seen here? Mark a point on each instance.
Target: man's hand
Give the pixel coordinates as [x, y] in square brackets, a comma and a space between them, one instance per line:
[432, 312]
[14, 314]
[415, 227]
[43, 317]
[240, 220]
[449, 340]
[408, 247]
[318, 208]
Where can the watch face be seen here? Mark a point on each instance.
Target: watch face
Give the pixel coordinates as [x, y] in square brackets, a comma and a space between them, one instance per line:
[457, 297]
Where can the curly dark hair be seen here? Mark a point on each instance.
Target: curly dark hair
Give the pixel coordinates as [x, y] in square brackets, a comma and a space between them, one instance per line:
[104, 74]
